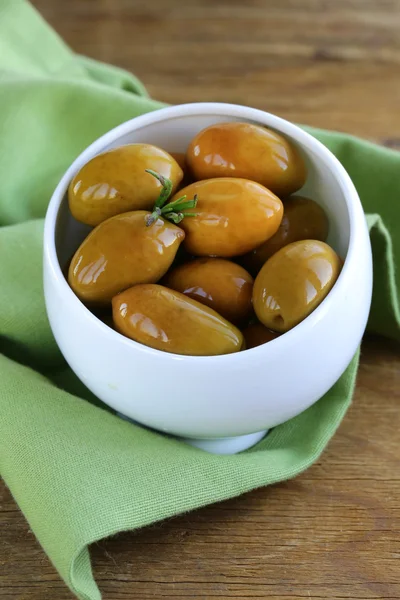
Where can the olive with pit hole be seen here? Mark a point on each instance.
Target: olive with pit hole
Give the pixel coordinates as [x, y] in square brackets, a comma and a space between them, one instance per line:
[293, 282]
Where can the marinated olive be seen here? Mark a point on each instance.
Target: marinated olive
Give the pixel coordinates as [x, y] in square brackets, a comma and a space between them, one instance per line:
[303, 219]
[257, 334]
[233, 216]
[122, 252]
[293, 282]
[220, 284]
[250, 152]
[168, 320]
[116, 181]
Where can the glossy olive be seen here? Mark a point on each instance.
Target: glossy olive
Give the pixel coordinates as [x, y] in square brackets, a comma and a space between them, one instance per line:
[233, 216]
[116, 181]
[303, 219]
[122, 252]
[257, 334]
[168, 320]
[293, 282]
[218, 283]
[250, 152]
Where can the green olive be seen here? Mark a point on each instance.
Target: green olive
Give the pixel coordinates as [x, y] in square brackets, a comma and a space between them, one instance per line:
[250, 152]
[121, 252]
[293, 282]
[218, 283]
[116, 181]
[233, 216]
[167, 320]
[303, 219]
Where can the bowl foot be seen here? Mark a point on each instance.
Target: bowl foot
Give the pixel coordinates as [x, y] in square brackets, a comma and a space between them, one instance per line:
[228, 445]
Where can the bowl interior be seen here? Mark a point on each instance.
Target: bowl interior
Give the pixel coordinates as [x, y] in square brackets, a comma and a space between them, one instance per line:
[174, 134]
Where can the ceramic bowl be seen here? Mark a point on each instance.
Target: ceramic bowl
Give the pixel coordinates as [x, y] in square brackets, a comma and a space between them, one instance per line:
[223, 403]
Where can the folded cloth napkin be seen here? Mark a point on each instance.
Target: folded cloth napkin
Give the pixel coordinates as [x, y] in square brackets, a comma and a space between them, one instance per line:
[78, 472]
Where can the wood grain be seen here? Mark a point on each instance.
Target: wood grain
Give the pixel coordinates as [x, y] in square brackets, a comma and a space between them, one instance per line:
[334, 532]
[333, 64]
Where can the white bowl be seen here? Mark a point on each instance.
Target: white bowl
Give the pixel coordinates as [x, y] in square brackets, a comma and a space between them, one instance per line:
[204, 399]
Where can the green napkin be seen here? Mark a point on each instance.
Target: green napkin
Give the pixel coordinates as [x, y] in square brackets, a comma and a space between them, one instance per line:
[78, 472]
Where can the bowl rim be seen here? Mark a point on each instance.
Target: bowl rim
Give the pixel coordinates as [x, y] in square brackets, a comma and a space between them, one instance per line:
[195, 109]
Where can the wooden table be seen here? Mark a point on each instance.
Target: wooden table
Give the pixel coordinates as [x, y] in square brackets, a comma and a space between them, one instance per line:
[334, 532]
